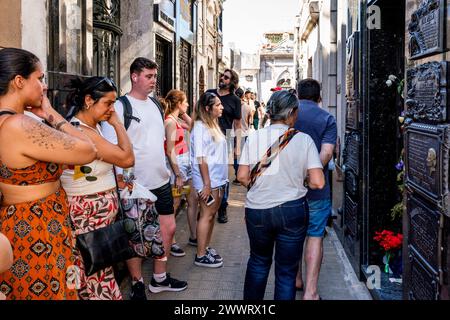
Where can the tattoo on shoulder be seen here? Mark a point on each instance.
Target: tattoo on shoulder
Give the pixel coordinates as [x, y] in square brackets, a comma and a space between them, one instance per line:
[46, 137]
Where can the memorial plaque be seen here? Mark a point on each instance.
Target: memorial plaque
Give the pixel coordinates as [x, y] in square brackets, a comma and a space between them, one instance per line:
[425, 230]
[423, 282]
[351, 152]
[426, 29]
[426, 162]
[352, 115]
[427, 92]
[350, 216]
[351, 81]
[351, 183]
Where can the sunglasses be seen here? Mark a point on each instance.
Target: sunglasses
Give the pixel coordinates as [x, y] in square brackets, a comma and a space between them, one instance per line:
[108, 81]
[225, 76]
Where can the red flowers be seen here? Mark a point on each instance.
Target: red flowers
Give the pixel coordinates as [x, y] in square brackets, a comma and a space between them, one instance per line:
[389, 240]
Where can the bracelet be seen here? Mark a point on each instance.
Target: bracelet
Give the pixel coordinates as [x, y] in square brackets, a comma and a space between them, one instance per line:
[60, 124]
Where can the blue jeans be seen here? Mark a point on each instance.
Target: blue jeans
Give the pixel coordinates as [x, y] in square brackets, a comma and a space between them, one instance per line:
[285, 227]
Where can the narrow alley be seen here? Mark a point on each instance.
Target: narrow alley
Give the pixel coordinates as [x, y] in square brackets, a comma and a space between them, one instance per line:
[337, 280]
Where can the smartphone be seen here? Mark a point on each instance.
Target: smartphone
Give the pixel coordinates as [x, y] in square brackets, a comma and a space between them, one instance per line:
[210, 200]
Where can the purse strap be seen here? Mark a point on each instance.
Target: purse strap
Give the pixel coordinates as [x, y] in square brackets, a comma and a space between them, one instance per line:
[270, 155]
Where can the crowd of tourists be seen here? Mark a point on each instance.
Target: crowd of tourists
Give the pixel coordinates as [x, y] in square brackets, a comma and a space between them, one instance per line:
[129, 161]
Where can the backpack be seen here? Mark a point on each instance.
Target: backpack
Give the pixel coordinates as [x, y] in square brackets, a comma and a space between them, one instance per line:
[128, 111]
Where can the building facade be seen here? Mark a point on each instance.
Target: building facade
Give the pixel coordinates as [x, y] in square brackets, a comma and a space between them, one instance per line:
[383, 70]
[209, 45]
[102, 37]
[276, 63]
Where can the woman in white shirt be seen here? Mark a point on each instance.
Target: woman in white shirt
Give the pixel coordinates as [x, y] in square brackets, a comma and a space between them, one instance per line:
[276, 211]
[209, 173]
[91, 188]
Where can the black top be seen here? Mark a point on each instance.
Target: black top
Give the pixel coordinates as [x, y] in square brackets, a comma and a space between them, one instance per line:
[231, 110]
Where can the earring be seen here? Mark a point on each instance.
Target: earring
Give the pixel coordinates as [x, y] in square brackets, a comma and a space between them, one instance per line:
[88, 106]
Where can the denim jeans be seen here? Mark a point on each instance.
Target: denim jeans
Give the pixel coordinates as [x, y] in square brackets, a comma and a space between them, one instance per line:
[283, 227]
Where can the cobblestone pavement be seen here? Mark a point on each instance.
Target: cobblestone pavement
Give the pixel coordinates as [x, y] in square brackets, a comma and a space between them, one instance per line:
[337, 279]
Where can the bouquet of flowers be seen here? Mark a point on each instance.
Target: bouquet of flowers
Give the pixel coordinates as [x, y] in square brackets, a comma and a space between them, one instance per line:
[389, 241]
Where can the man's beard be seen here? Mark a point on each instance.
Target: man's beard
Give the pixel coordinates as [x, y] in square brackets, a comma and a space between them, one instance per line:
[223, 85]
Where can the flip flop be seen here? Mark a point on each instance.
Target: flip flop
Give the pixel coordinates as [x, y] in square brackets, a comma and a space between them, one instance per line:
[299, 289]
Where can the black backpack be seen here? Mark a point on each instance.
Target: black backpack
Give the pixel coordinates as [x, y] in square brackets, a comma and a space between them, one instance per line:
[128, 111]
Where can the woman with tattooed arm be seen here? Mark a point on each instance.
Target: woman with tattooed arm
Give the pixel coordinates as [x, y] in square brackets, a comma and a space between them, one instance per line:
[33, 213]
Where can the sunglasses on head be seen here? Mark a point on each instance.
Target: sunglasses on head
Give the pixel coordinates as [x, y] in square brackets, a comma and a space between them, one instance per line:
[225, 76]
[108, 81]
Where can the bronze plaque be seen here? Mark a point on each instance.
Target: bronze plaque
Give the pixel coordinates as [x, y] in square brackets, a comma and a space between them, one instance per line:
[423, 282]
[425, 230]
[351, 81]
[352, 115]
[426, 162]
[426, 29]
[427, 92]
[350, 216]
[351, 152]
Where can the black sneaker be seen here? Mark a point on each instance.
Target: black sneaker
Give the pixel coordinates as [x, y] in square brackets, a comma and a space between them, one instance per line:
[207, 261]
[192, 242]
[138, 291]
[170, 284]
[176, 251]
[214, 253]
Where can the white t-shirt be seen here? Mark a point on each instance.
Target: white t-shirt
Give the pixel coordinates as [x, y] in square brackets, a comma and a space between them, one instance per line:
[283, 180]
[203, 145]
[147, 137]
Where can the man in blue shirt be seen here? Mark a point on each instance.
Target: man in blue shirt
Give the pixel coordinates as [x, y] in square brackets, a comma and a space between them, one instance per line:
[321, 126]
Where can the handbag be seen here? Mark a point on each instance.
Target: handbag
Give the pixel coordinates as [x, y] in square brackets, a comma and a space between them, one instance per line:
[109, 245]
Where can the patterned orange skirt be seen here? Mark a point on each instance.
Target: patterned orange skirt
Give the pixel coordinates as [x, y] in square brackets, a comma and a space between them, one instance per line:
[39, 232]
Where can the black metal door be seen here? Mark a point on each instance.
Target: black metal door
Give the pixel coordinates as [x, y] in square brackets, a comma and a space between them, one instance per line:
[186, 70]
[163, 56]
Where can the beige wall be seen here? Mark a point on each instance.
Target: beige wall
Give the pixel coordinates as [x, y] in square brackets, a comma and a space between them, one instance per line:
[10, 25]
[34, 28]
[138, 40]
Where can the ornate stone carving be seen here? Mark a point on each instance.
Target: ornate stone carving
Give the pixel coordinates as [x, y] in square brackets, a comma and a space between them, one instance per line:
[427, 92]
[426, 29]
[427, 162]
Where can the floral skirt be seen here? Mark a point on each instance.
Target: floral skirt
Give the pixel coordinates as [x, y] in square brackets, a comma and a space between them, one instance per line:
[39, 232]
[89, 213]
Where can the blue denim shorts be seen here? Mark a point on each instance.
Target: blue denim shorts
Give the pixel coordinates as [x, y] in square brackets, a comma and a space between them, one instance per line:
[319, 211]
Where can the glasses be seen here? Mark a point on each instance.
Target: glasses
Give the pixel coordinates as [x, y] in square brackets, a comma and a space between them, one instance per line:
[225, 76]
[108, 81]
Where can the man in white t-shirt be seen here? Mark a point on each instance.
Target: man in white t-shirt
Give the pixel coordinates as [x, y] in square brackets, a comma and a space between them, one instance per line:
[147, 134]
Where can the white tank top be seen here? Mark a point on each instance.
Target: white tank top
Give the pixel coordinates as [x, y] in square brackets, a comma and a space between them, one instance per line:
[90, 178]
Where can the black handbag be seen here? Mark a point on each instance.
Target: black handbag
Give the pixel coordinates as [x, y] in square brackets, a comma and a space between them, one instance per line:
[107, 246]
